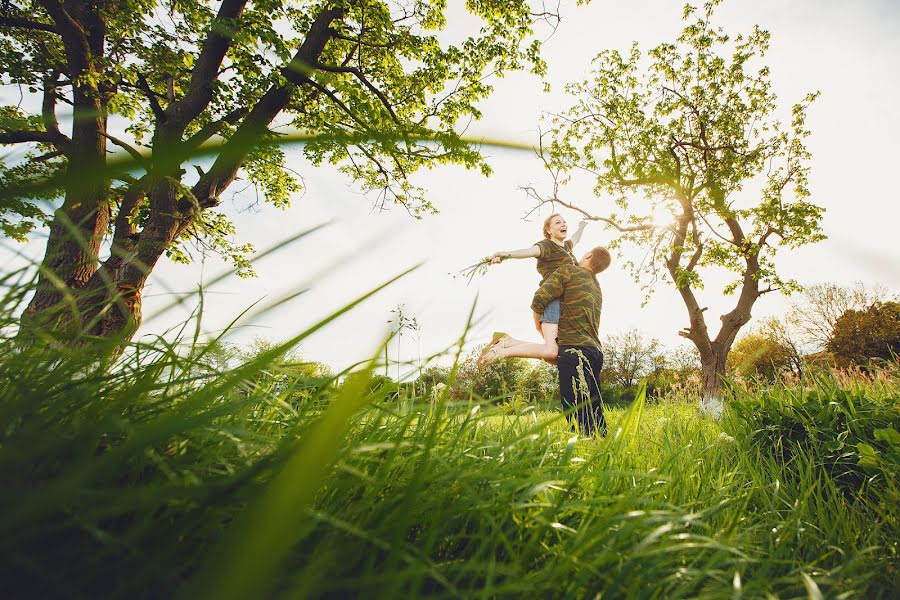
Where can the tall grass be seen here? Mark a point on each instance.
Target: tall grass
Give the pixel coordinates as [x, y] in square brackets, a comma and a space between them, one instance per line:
[165, 476]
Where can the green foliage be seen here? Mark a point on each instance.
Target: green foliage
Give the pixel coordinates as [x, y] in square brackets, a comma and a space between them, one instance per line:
[756, 355]
[831, 439]
[431, 378]
[862, 336]
[384, 96]
[629, 356]
[498, 382]
[686, 128]
[540, 385]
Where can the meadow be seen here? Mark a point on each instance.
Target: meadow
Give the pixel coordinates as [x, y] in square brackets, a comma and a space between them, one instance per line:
[157, 473]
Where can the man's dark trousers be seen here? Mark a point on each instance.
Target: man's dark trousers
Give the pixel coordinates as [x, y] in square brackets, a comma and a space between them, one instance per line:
[579, 385]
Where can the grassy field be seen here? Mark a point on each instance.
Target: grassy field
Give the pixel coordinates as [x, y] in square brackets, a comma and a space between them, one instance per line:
[157, 474]
[180, 490]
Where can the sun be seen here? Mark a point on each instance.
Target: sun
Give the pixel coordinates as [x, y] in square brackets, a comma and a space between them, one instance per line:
[662, 216]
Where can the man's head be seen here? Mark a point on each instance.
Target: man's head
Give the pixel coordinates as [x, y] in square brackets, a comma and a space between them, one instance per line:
[596, 260]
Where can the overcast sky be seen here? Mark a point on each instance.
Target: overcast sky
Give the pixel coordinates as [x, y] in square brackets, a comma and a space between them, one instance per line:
[848, 49]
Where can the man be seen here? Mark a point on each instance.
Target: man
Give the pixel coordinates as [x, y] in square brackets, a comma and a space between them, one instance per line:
[579, 359]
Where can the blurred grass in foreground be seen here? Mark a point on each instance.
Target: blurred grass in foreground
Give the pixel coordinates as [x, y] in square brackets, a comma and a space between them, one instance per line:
[167, 474]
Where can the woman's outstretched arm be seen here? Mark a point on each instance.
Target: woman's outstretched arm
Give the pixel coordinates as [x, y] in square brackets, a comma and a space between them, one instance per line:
[530, 252]
[576, 237]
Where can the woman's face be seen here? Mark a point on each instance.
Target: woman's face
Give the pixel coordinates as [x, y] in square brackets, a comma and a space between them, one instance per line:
[558, 228]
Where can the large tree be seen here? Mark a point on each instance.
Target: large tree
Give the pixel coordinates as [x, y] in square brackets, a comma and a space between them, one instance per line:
[370, 84]
[688, 143]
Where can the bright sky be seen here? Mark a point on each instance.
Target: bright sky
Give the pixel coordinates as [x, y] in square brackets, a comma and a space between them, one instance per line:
[848, 49]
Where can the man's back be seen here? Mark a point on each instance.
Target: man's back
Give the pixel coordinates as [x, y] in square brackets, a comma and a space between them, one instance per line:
[581, 301]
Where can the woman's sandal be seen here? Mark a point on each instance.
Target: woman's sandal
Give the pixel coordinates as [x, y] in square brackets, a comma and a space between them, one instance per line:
[498, 335]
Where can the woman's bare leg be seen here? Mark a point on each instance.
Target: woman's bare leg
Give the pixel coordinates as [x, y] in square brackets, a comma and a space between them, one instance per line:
[510, 347]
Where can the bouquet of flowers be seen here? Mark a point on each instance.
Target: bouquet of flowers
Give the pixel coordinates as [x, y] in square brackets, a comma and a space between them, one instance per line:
[478, 269]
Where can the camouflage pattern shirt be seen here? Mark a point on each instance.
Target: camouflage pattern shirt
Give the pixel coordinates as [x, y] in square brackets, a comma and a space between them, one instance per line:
[552, 256]
[580, 301]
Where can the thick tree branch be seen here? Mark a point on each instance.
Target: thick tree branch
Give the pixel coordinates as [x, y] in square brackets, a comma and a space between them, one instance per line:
[48, 106]
[78, 49]
[206, 69]
[698, 245]
[28, 24]
[737, 233]
[22, 136]
[254, 126]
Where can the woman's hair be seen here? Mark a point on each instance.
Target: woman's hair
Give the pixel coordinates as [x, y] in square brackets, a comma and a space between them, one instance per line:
[547, 225]
[600, 259]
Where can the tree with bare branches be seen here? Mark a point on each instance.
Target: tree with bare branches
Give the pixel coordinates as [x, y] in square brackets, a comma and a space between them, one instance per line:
[629, 356]
[817, 310]
[192, 95]
[688, 143]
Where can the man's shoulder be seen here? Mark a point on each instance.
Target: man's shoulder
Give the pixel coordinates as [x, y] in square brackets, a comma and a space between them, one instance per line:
[569, 270]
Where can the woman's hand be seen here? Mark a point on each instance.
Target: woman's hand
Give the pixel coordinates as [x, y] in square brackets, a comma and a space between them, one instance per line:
[498, 257]
[576, 237]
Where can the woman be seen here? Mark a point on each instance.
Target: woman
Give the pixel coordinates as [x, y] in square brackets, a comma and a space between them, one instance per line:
[551, 252]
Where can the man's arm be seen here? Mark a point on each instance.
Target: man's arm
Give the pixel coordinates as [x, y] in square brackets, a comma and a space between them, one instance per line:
[552, 288]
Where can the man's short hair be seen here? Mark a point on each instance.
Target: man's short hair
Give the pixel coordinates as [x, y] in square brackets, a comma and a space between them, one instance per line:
[600, 259]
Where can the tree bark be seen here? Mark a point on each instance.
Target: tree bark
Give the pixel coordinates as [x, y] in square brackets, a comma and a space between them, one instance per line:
[79, 225]
[712, 398]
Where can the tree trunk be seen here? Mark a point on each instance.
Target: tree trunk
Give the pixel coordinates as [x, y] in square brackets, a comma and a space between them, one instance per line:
[712, 398]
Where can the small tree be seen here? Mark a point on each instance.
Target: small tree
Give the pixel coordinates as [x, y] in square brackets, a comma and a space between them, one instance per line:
[860, 336]
[540, 384]
[759, 356]
[498, 380]
[780, 332]
[430, 378]
[677, 142]
[629, 356]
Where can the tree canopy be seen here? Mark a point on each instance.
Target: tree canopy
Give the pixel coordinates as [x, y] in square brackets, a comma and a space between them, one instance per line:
[860, 336]
[371, 86]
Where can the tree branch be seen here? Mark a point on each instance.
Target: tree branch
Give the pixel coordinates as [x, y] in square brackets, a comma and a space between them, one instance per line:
[78, 50]
[144, 86]
[333, 97]
[206, 69]
[530, 191]
[255, 125]
[211, 129]
[48, 106]
[28, 24]
[134, 152]
[358, 74]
